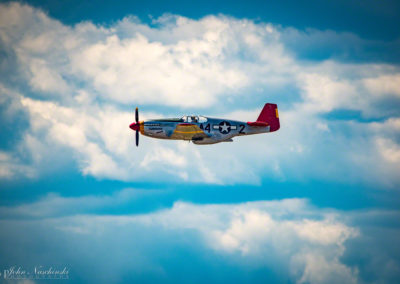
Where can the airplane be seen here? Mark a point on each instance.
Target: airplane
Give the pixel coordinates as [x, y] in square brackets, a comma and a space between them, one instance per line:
[203, 130]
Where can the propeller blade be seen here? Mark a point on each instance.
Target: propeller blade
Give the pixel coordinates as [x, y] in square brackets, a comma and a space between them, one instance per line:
[137, 138]
[137, 115]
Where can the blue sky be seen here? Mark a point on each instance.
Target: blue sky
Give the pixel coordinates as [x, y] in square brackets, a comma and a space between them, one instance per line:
[315, 202]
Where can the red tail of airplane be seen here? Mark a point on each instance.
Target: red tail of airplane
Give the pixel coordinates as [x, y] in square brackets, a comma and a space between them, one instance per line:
[268, 116]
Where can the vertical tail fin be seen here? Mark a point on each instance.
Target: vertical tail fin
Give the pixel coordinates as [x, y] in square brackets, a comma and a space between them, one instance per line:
[269, 114]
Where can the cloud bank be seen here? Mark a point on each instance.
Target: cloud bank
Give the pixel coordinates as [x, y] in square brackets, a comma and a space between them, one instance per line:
[287, 240]
[73, 89]
[308, 244]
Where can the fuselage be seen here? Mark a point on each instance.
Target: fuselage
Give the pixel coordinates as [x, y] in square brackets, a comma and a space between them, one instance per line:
[199, 129]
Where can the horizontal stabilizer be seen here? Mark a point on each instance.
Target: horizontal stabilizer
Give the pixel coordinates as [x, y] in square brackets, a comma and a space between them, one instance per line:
[258, 123]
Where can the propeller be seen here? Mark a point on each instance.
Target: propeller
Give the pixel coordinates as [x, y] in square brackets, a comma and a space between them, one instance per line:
[136, 126]
[137, 130]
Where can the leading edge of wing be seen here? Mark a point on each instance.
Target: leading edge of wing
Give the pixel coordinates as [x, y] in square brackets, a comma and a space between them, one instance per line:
[188, 131]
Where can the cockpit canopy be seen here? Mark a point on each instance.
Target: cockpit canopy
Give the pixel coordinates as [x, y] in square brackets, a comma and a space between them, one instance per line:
[194, 119]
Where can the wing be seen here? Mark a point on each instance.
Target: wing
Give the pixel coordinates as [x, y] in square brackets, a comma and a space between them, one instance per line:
[188, 131]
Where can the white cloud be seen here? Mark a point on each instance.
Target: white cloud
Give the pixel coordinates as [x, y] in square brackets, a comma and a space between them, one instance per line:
[324, 94]
[367, 88]
[326, 232]
[383, 85]
[168, 156]
[46, 80]
[389, 150]
[245, 232]
[317, 269]
[88, 72]
[87, 131]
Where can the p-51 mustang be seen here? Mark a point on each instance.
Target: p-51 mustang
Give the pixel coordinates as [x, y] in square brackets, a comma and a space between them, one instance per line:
[206, 130]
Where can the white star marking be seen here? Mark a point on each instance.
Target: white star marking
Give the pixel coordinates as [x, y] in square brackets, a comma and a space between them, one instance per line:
[224, 127]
